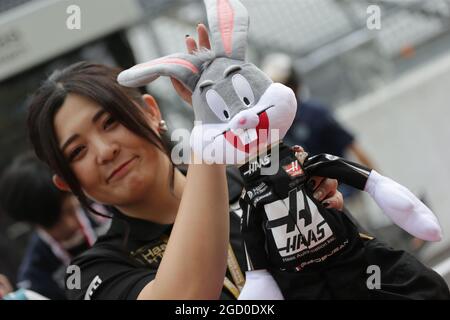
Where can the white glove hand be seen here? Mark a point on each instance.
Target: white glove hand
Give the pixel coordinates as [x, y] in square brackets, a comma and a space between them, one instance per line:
[403, 207]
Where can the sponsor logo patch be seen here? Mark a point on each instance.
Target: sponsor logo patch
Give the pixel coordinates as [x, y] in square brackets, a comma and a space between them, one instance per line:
[293, 169]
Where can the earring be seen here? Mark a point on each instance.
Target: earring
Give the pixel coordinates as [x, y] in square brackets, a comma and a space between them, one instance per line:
[163, 126]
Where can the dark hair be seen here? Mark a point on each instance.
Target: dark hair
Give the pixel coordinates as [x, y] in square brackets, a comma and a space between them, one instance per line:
[98, 83]
[294, 80]
[28, 194]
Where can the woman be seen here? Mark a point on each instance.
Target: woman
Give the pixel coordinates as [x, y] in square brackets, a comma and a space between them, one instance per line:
[103, 142]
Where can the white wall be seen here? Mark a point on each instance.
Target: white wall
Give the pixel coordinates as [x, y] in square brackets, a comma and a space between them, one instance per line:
[405, 128]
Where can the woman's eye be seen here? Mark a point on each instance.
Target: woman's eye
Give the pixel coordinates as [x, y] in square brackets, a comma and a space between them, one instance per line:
[110, 121]
[218, 105]
[243, 89]
[76, 152]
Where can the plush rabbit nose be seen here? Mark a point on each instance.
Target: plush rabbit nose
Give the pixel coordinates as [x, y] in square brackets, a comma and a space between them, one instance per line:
[245, 120]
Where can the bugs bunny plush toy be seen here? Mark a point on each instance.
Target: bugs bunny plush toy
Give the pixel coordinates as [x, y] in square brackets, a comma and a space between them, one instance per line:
[239, 111]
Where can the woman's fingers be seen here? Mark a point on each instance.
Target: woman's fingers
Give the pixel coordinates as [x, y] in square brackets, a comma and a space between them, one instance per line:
[326, 187]
[300, 154]
[203, 36]
[297, 148]
[191, 44]
[326, 192]
[203, 40]
[336, 201]
[183, 92]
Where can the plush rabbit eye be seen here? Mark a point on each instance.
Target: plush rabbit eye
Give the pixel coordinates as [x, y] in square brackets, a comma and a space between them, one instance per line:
[217, 105]
[243, 89]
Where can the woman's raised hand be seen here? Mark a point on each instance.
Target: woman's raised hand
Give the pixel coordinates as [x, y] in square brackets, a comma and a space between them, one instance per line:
[192, 46]
[325, 189]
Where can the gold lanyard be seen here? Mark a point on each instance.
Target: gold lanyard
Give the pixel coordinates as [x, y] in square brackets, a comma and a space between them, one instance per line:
[236, 274]
[231, 287]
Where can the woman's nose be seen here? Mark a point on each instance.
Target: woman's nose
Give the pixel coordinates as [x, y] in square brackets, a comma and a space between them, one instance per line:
[106, 152]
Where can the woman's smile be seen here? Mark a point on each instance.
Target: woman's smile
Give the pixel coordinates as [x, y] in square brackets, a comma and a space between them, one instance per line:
[122, 170]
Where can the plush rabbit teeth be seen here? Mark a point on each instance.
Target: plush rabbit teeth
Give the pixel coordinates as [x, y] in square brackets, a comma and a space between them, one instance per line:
[246, 136]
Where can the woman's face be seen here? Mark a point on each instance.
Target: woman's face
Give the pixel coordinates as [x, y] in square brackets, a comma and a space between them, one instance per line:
[112, 164]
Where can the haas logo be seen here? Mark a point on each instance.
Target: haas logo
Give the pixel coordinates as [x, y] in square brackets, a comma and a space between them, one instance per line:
[254, 166]
[296, 230]
[293, 169]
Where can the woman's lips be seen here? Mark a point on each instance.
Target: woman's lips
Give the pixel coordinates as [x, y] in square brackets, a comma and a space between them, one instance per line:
[263, 124]
[121, 171]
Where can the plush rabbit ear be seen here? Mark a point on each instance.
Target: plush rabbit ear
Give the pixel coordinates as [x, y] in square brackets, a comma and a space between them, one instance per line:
[184, 67]
[228, 24]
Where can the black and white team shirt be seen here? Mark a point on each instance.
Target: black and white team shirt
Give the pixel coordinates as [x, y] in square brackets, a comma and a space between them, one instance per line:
[318, 253]
[283, 226]
[118, 269]
[123, 261]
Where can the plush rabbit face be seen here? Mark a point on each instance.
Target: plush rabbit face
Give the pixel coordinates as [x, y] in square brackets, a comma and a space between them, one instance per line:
[238, 109]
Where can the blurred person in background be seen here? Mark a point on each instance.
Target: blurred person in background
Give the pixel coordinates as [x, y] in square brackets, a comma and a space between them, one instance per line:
[61, 229]
[314, 127]
[10, 250]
